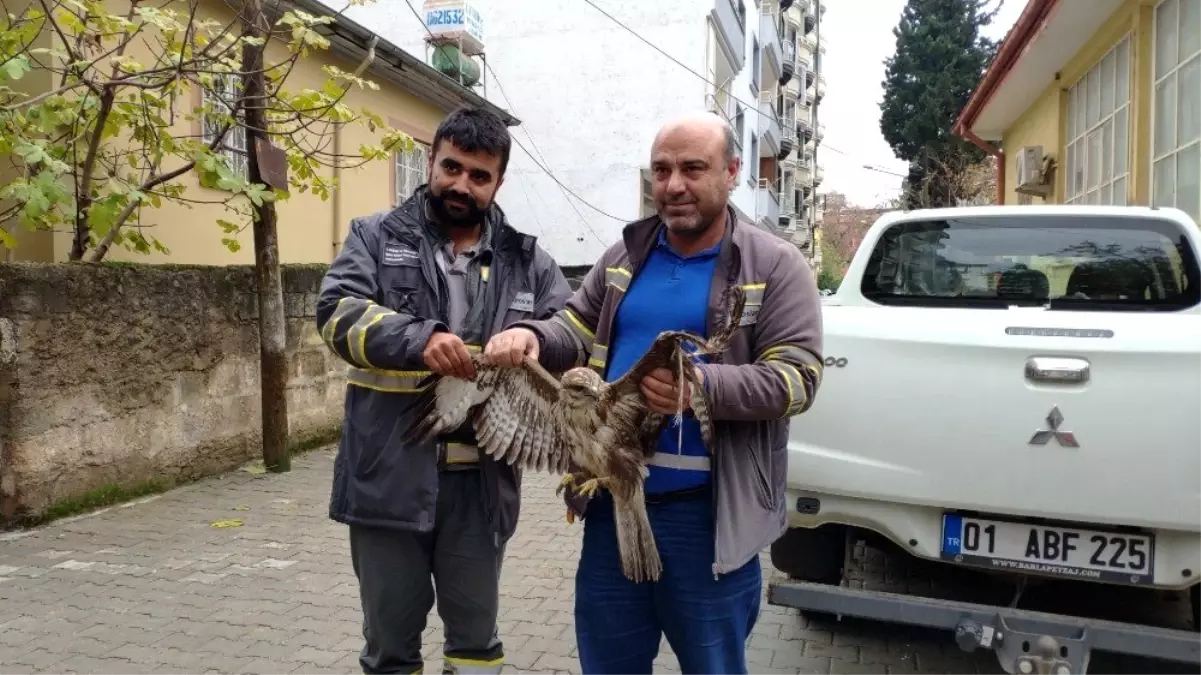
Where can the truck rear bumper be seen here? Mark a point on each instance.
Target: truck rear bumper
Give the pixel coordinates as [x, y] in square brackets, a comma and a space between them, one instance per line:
[1024, 641]
[917, 529]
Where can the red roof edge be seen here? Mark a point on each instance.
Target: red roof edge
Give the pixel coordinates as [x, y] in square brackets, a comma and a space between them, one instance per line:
[1024, 29]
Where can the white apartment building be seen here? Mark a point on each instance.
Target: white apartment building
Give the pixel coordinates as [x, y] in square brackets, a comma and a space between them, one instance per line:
[591, 93]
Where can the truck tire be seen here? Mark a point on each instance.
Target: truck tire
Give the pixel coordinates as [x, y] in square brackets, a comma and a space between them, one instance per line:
[811, 554]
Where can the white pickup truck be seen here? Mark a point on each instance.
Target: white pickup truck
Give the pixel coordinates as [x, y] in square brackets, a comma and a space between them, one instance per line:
[1016, 389]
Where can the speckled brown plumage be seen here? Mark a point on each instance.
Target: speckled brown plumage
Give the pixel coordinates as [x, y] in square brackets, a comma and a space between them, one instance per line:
[599, 434]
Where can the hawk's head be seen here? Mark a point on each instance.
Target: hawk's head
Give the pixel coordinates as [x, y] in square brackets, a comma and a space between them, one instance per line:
[582, 384]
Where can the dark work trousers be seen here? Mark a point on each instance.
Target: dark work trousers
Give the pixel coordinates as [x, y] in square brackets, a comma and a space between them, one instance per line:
[398, 572]
[707, 621]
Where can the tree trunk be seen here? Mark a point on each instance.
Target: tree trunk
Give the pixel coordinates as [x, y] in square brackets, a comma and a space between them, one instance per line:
[273, 363]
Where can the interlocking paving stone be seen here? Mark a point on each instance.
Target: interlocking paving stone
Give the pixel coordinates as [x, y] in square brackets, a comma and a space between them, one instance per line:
[150, 586]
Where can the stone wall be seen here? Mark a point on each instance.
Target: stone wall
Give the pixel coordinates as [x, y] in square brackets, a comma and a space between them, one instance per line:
[124, 374]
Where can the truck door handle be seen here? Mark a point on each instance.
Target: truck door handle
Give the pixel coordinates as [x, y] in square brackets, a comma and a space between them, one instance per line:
[1057, 369]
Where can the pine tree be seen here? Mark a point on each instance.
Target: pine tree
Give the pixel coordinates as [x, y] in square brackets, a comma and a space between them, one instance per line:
[939, 60]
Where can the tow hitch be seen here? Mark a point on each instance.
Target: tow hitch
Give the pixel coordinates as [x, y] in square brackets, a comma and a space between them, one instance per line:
[1024, 648]
[1024, 641]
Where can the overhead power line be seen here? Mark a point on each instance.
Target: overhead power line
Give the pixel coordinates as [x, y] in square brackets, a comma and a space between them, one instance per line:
[681, 64]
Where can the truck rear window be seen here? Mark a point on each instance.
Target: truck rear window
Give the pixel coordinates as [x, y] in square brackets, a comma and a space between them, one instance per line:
[1062, 262]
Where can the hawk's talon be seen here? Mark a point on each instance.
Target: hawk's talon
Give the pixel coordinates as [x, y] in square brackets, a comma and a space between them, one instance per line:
[589, 487]
[568, 481]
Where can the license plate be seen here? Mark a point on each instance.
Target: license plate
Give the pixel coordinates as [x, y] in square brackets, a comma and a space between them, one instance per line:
[1048, 549]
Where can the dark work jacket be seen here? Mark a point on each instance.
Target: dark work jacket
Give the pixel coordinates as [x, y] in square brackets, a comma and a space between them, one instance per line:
[380, 302]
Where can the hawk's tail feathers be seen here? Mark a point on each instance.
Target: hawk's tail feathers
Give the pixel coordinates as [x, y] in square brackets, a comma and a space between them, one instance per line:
[635, 539]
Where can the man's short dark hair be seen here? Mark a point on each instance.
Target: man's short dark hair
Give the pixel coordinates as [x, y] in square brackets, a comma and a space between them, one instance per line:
[473, 129]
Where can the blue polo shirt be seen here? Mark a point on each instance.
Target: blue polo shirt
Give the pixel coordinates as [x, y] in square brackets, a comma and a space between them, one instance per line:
[671, 292]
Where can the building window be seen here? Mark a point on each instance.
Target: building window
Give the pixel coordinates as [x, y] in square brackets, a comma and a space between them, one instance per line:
[1176, 121]
[221, 97]
[412, 171]
[1098, 131]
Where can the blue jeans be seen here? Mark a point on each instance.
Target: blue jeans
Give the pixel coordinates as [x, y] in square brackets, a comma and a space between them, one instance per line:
[707, 621]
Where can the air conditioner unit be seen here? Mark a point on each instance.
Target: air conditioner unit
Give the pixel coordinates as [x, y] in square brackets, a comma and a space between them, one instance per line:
[1035, 172]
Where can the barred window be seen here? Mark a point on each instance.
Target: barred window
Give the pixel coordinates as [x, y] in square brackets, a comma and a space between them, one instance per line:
[412, 171]
[222, 95]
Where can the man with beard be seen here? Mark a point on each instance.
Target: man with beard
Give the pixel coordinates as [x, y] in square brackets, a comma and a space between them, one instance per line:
[712, 510]
[414, 290]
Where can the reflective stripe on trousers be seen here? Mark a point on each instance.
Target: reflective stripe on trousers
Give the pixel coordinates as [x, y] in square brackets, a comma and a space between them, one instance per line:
[454, 664]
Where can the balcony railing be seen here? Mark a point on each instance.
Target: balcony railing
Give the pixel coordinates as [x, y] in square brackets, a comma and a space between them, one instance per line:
[789, 131]
[789, 51]
[821, 130]
[769, 124]
[788, 204]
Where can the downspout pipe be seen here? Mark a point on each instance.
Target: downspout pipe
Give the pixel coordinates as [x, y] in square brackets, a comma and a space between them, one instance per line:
[1032, 19]
[996, 152]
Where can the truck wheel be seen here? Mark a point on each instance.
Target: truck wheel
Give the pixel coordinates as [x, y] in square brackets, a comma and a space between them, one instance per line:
[811, 554]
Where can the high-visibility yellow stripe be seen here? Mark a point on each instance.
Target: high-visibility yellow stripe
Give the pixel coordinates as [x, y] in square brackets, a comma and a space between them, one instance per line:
[356, 337]
[457, 664]
[754, 293]
[578, 325]
[344, 307]
[599, 356]
[485, 272]
[388, 381]
[794, 383]
[780, 350]
[618, 277]
[462, 453]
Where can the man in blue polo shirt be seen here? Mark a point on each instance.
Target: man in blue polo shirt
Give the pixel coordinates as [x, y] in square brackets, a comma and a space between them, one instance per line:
[670, 292]
[712, 510]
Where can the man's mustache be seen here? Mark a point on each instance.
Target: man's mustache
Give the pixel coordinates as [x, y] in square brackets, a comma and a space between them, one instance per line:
[452, 196]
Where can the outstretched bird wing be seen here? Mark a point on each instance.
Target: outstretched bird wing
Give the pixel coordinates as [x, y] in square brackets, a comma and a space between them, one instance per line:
[514, 413]
[667, 351]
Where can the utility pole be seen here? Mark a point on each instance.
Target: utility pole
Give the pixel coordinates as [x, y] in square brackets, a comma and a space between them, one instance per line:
[273, 364]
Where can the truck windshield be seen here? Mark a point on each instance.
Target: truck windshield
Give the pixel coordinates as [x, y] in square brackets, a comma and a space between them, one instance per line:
[1082, 262]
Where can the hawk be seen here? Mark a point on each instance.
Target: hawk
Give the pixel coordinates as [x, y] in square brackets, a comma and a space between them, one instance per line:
[597, 433]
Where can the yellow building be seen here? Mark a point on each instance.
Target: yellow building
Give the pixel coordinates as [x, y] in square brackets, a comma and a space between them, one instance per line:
[1106, 94]
[413, 97]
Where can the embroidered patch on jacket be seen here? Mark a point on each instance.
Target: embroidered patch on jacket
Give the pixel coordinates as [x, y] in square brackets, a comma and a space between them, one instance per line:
[398, 254]
[524, 302]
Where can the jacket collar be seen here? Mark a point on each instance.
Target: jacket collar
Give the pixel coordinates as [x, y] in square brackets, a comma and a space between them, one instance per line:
[410, 219]
[642, 236]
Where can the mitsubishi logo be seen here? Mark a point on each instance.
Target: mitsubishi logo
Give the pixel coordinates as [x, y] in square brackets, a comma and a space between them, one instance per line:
[1065, 439]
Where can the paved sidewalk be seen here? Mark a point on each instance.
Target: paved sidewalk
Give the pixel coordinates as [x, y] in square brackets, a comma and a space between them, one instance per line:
[153, 586]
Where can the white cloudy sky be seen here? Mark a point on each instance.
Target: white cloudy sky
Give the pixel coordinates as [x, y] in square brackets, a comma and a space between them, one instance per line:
[858, 35]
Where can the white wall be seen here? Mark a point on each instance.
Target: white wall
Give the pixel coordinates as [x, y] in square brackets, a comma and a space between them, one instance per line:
[589, 94]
